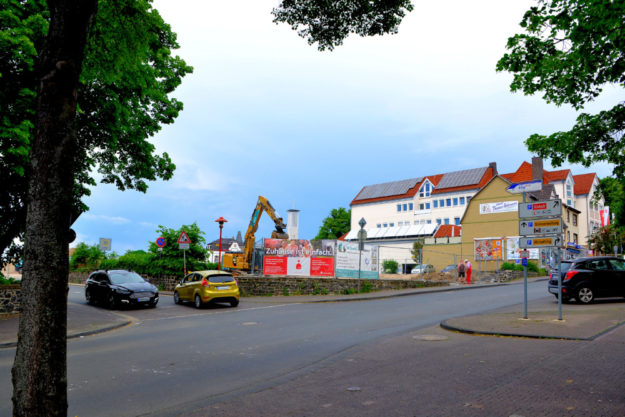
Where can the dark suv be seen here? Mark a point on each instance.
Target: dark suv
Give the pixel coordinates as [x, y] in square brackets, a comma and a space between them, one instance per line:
[590, 278]
[117, 287]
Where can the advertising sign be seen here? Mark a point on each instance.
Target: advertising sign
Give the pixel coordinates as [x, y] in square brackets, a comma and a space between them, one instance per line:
[499, 207]
[298, 257]
[347, 256]
[513, 250]
[489, 249]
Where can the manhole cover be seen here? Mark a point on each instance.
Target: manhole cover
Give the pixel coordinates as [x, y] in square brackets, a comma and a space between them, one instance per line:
[430, 337]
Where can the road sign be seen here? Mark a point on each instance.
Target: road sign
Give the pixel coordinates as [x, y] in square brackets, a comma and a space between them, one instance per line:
[539, 242]
[524, 254]
[524, 187]
[537, 209]
[184, 238]
[540, 227]
[105, 244]
[160, 242]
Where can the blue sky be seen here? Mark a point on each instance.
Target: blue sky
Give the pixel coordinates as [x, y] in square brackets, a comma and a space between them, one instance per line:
[267, 114]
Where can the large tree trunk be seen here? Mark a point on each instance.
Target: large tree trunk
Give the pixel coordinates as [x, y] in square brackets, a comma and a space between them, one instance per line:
[40, 368]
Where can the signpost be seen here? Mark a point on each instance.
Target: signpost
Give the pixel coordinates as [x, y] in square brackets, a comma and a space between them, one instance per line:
[105, 244]
[540, 227]
[526, 242]
[160, 242]
[362, 236]
[184, 243]
[540, 209]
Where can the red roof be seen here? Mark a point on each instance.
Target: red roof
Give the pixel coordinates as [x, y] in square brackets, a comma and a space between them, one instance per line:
[583, 183]
[448, 230]
[524, 174]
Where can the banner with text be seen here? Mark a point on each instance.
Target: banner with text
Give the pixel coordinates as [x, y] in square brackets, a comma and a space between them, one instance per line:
[347, 256]
[309, 258]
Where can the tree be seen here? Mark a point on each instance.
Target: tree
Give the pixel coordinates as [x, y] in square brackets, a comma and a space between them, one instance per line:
[123, 99]
[336, 224]
[570, 50]
[416, 250]
[86, 257]
[329, 22]
[170, 260]
[604, 239]
[56, 158]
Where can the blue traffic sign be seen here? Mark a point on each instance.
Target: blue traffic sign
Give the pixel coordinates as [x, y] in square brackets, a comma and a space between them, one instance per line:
[160, 242]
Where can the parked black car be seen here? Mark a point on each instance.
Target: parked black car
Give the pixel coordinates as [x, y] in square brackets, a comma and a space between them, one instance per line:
[120, 288]
[590, 278]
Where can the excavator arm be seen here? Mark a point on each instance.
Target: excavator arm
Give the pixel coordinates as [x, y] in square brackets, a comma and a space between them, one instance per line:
[242, 261]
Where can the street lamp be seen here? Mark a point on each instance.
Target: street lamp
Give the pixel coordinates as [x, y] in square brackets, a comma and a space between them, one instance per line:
[221, 222]
[362, 236]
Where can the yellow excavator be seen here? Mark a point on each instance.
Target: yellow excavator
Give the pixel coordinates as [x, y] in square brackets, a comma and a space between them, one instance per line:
[242, 261]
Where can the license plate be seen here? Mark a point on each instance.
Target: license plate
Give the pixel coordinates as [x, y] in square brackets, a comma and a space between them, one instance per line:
[223, 288]
[143, 299]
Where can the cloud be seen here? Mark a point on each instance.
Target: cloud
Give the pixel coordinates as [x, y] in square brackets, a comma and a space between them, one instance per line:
[117, 220]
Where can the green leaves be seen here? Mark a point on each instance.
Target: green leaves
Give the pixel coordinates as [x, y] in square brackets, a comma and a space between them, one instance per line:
[335, 225]
[329, 22]
[570, 50]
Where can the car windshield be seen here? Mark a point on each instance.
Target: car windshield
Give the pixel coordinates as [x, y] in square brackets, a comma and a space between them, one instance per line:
[123, 277]
[220, 278]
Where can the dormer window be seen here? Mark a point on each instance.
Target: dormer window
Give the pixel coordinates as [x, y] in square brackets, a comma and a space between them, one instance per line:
[426, 189]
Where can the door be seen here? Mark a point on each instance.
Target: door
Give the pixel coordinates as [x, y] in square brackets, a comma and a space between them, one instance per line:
[185, 291]
[601, 276]
[618, 277]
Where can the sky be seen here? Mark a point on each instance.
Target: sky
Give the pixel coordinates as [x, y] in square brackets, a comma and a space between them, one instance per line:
[267, 114]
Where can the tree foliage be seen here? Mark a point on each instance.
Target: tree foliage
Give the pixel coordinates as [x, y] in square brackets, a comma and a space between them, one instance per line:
[570, 51]
[604, 239]
[86, 258]
[416, 252]
[124, 98]
[329, 22]
[336, 224]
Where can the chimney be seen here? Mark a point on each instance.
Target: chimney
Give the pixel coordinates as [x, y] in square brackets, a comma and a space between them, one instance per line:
[537, 168]
[292, 225]
[493, 165]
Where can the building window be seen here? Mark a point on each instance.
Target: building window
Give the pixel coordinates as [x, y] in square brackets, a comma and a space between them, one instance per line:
[400, 224]
[425, 190]
[574, 219]
[427, 206]
[441, 202]
[399, 207]
[446, 221]
[416, 222]
[405, 207]
[438, 221]
[568, 236]
[462, 201]
[385, 224]
[410, 206]
[448, 202]
[435, 203]
[575, 238]
[379, 225]
[421, 206]
[457, 221]
[568, 216]
[429, 221]
[455, 201]
[392, 224]
[468, 199]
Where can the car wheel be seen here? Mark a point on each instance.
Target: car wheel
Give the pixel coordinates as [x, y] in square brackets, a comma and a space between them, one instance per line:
[177, 298]
[198, 301]
[234, 303]
[89, 297]
[585, 295]
[112, 303]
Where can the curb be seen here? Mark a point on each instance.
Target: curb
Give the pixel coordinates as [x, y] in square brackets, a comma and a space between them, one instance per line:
[444, 325]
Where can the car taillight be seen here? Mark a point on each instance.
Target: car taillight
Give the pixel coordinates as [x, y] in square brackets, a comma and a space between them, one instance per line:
[570, 275]
[205, 282]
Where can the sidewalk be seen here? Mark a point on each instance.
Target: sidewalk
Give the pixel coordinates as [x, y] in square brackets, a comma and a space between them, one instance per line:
[580, 322]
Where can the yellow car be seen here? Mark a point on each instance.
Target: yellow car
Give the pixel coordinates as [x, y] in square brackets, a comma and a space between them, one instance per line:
[203, 287]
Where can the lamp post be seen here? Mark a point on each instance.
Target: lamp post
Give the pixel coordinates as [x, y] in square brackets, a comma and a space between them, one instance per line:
[362, 235]
[221, 222]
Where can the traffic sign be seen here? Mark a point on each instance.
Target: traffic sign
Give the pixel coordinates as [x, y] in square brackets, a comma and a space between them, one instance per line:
[539, 242]
[524, 254]
[538, 209]
[105, 244]
[160, 242]
[184, 238]
[540, 227]
[523, 187]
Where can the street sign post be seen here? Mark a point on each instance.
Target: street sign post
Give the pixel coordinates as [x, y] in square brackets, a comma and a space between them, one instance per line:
[184, 243]
[540, 227]
[540, 209]
[539, 242]
[160, 243]
[525, 187]
[105, 244]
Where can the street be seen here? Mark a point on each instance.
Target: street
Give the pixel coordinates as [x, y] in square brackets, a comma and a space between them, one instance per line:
[176, 359]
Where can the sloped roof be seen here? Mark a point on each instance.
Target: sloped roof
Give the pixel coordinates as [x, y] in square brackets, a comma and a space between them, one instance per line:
[448, 230]
[387, 189]
[583, 183]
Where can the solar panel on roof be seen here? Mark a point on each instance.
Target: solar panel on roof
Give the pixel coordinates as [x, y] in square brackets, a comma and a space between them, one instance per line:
[387, 189]
[461, 178]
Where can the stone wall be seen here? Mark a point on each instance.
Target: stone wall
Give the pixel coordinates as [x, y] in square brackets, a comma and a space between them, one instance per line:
[262, 285]
[10, 299]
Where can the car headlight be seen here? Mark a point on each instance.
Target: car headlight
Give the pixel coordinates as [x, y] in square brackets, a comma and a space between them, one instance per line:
[123, 291]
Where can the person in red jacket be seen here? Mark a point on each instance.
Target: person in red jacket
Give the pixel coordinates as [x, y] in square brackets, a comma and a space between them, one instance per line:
[467, 269]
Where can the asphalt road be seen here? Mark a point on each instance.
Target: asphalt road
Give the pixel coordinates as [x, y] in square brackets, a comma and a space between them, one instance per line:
[175, 359]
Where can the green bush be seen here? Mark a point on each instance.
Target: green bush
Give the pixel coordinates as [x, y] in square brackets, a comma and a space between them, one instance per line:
[390, 266]
[7, 281]
[366, 286]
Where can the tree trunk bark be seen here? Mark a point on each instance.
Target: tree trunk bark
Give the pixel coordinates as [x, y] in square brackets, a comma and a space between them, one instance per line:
[40, 368]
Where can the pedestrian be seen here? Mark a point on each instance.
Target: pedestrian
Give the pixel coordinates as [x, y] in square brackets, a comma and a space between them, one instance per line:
[467, 268]
[460, 268]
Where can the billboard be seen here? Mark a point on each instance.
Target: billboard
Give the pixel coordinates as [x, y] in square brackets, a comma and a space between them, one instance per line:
[347, 256]
[299, 257]
[489, 249]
